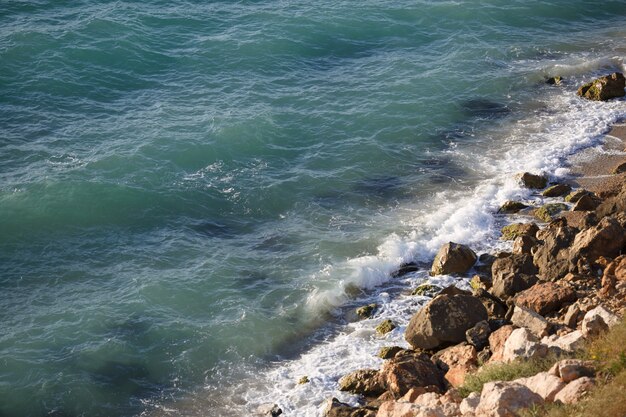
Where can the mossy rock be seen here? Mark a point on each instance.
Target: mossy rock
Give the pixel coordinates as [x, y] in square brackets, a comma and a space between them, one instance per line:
[604, 88]
[576, 195]
[385, 327]
[367, 311]
[548, 211]
[303, 380]
[512, 231]
[557, 190]
[479, 281]
[510, 207]
[427, 290]
[388, 352]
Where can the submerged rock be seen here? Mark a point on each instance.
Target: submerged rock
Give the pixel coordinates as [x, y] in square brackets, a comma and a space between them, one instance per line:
[444, 320]
[556, 80]
[385, 327]
[426, 290]
[604, 88]
[533, 181]
[453, 258]
[367, 311]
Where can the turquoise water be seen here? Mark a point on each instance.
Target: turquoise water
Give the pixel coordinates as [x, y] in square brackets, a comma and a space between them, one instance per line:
[191, 191]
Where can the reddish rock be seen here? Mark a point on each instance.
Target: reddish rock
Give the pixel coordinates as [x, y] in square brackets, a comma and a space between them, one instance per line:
[546, 297]
[497, 340]
[410, 369]
[457, 361]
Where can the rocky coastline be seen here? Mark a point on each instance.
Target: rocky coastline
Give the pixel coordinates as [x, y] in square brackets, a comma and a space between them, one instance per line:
[562, 286]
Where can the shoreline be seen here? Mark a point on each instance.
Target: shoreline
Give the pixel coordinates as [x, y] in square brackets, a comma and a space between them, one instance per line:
[594, 174]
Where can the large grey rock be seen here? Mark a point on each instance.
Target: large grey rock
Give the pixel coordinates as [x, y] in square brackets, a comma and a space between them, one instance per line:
[552, 255]
[603, 88]
[605, 239]
[505, 399]
[523, 317]
[444, 320]
[512, 274]
[453, 258]
[569, 342]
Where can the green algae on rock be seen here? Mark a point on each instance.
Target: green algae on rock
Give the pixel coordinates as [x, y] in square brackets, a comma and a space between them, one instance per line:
[512, 231]
[604, 88]
[557, 190]
[510, 207]
[548, 211]
[385, 327]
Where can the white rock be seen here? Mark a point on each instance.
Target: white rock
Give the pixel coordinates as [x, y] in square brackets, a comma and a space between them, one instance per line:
[598, 320]
[504, 399]
[574, 390]
[569, 342]
[523, 344]
[469, 404]
[543, 384]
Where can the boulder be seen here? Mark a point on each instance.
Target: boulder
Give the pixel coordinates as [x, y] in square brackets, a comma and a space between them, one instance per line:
[556, 80]
[410, 369]
[511, 231]
[597, 321]
[603, 88]
[496, 308]
[575, 390]
[512, 274]
[586, 203]
[457, 361]
[480, 281]
[524, 245]
[532, 181]
[388, 352]
[453, 258]
[412, 395]
[523, 344]
[505, 399]
[557, 190]
[335, 408]
[547, 212]
[406, 409]
[523, 317]
[385, 327]
[366, 311]
[552, 256]
[544, 384]
[469, 404]
[510, 207]
[604, 239]
[612, 205]
[405, 268]
[365, 382]
[570, 369]
[303, 380]
[546, 297]
[478, 336]
[570, 319]
[444, 320]
[576, 195]
[497, 339]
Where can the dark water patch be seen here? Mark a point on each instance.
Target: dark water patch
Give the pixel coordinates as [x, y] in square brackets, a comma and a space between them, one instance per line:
[214, 229]
[484, 108]
[384, 187]
[275, 243]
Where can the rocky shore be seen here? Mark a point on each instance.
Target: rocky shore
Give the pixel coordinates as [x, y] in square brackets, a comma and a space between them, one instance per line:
[562, 285]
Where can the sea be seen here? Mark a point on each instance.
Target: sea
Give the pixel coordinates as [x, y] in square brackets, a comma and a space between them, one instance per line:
[196, 195]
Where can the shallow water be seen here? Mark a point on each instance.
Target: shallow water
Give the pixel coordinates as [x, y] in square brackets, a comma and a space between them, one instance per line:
[192, 194]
